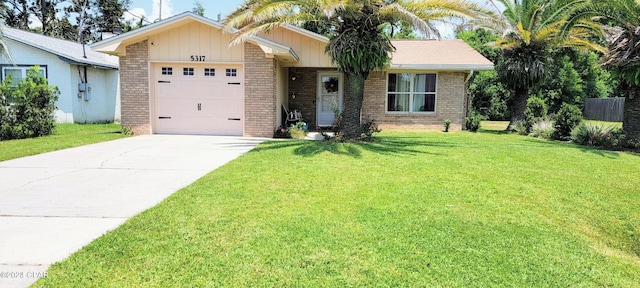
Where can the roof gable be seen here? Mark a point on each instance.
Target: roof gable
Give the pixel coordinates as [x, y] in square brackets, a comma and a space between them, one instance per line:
[117, 45]
[70, 52]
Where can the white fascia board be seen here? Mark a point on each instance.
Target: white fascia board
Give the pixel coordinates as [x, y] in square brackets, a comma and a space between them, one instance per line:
[441, 67]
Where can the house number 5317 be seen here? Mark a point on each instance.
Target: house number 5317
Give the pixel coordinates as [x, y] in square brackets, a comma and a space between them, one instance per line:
[197, 58]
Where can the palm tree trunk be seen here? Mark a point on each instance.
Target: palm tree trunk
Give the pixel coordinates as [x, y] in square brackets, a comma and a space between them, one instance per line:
[631, 120]
[351, 127]
[518, 106]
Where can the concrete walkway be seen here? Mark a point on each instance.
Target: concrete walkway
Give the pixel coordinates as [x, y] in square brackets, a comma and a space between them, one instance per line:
[53, 204]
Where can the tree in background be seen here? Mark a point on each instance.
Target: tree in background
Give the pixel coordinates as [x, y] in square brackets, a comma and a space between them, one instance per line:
[622, 35]
[357, 41]
[109, 15]
[528, 29]
[198, 8]
[577, 75]
[45, 11]
[75, 20]
[15, 13]
[489, 96]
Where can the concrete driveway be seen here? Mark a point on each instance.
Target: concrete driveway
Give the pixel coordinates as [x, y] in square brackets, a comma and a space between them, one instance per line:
[53, 204]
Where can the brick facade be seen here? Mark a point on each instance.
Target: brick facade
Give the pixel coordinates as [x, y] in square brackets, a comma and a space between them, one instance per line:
[134, 92]
[260, 93]
[450, 103]
[305, 87]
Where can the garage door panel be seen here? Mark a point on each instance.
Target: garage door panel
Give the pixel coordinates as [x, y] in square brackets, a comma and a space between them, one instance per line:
[199, 104]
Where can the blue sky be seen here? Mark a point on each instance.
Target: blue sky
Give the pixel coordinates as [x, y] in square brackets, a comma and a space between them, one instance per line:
[149, 8]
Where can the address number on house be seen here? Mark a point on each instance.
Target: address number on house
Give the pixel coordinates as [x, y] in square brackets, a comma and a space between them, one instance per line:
[197, 58]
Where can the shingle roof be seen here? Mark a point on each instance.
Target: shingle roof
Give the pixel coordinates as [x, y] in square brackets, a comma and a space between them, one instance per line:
[450, 54]
[67, 51]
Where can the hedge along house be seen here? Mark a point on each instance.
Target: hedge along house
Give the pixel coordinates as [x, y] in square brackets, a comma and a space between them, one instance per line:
[87, 80]
[180, 76]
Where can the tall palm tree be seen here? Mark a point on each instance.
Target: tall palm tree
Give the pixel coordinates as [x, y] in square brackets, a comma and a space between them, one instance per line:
[622, 35]
[528, 29]
[358, 44]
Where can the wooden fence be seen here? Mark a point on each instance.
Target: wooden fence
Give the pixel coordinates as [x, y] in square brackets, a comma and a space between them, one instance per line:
[604, 109]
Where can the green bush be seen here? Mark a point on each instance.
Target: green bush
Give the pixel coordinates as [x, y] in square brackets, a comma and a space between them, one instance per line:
[536, 111]
[566, 120]
[542, 129]
[369, 127]
[472, 123]
[447, 125]
[590, 134]
[27, 110]
[520, 127]
[297, 130]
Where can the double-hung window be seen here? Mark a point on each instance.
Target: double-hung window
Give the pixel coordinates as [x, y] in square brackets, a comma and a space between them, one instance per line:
[411, 92]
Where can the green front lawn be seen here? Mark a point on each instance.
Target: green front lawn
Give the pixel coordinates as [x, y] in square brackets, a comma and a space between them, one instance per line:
[413, 209]
[65, 136]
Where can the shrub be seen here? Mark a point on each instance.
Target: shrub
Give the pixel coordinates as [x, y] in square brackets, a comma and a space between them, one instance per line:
[520, 127]
[542, 129]
[297, 130]
[27, 110]
[536, 111]
[282, 132]
[472, 123]
[566, 120]
[369, 127]
[599, 135]
[447, 125]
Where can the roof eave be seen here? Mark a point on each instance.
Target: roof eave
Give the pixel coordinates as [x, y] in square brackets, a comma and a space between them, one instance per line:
[87, 63]
[307, 33]
[275, 49]
[442, 67]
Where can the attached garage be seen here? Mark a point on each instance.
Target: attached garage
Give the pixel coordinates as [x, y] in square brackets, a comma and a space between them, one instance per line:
[190, 98]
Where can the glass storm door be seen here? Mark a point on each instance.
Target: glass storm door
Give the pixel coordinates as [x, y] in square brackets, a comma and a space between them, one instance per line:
[329, 97]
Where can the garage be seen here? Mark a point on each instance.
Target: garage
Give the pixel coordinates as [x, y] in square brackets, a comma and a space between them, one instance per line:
[192, 98]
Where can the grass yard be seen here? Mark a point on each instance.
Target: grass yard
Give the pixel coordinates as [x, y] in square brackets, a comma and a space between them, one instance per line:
[412, 209]
[65, 136]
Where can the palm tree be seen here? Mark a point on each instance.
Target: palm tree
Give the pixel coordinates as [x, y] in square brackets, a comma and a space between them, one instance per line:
[622, 35]
[529, 29]
[358, 43]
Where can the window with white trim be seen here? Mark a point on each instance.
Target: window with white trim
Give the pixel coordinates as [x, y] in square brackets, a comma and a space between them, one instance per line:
[411, 92]
[209, 72]
[18, 73]
[188, 71]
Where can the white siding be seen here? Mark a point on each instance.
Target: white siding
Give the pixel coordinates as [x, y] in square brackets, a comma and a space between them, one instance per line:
[69, 107]
[194, 39]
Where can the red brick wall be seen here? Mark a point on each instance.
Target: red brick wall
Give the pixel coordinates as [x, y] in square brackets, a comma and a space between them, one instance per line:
[450, 103]
[134, 88]
[260, 93]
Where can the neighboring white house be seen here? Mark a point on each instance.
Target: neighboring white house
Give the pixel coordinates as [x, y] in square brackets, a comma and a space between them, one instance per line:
[88, 81]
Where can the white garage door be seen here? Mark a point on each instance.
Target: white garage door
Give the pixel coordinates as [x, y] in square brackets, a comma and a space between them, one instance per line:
[198, 99]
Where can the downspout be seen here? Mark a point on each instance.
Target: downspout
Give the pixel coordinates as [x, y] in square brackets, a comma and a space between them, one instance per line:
[467, 104]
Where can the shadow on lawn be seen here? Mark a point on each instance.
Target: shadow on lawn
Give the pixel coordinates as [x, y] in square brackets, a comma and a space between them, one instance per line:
[385, 146]
[585, 149]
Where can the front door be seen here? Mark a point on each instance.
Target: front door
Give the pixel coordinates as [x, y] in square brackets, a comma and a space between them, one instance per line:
[329, 97]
